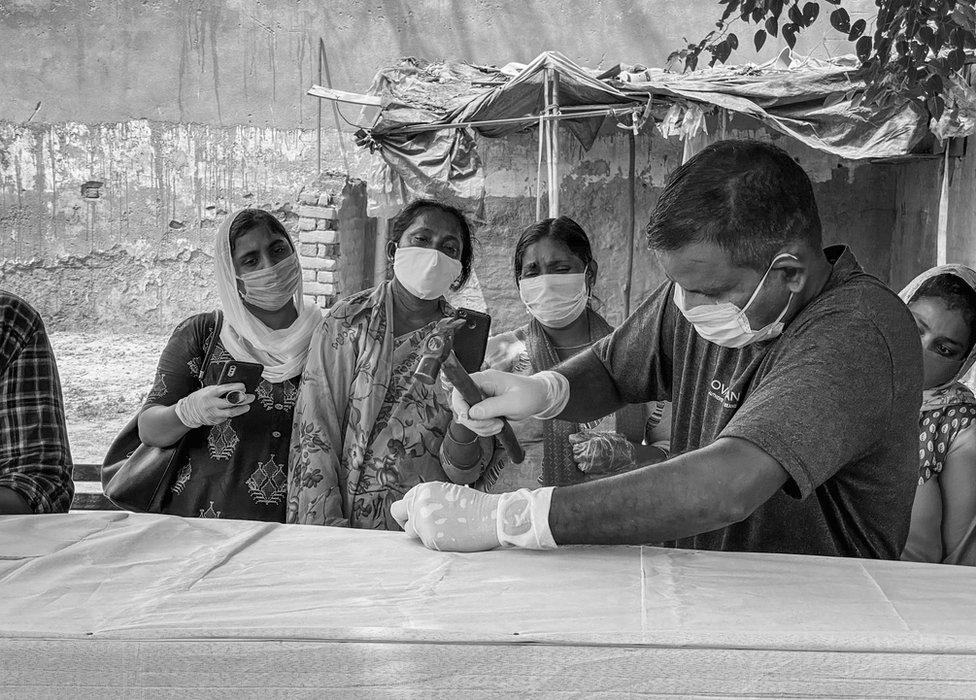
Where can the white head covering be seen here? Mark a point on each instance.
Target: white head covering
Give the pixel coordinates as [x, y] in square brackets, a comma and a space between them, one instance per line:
[934, 396]
[282, 352]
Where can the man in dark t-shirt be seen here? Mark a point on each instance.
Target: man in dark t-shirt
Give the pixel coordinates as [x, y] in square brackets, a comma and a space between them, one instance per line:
[795, 379]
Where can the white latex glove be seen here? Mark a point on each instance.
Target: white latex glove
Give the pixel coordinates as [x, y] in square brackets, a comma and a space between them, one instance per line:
[601, 452]
[207, 406]
[455, 518]
[511, 396]
[460, 409]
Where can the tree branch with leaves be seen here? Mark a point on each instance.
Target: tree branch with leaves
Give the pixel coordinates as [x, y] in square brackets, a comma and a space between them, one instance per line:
[917, 48]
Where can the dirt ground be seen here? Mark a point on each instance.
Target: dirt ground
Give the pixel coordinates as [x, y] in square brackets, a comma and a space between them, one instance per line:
[104, 378]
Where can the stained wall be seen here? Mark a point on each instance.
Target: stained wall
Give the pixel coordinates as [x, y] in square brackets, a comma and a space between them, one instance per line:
[185, 110]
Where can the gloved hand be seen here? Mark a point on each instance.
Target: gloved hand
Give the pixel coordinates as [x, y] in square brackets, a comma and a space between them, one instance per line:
[454, 518]
[510, 396]
[207, 406]
[601, 452]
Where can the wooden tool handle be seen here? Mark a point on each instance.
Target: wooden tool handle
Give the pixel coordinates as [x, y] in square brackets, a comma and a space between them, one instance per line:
[470, 392]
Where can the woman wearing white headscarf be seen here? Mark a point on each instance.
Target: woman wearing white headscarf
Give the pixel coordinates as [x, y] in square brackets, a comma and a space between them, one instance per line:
[943, 528]
[237, 465]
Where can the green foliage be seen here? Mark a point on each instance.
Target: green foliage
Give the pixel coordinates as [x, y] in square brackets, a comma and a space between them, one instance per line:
[913, 51]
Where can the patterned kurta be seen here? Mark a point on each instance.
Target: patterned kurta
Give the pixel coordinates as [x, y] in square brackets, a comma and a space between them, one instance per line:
[366, 430]
[238, 468]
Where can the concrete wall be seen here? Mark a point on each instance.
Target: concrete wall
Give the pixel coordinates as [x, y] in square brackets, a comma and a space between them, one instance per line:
[226, 62]
[185, 110]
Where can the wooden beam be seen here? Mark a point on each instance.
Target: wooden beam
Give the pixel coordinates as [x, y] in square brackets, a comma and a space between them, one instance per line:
[354, 98]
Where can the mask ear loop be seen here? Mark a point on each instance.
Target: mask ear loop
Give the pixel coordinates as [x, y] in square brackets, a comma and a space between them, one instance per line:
[589, 279]
[762, 281]
[455, 285]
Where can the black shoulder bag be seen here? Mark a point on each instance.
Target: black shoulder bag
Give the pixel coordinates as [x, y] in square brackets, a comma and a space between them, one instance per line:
[134, 475]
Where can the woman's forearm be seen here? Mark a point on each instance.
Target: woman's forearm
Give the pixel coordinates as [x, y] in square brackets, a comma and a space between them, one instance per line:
[159, 426]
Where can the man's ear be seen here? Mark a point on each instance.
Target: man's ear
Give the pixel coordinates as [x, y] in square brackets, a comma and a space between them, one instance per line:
[391, 247]
[794, 270]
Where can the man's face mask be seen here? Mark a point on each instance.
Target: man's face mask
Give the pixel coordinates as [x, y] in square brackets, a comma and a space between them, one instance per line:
[726, 324]
[273, 287]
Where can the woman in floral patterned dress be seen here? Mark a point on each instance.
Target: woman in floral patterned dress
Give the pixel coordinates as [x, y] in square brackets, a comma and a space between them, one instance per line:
[366, 430]
[234, 460]
[943, 526]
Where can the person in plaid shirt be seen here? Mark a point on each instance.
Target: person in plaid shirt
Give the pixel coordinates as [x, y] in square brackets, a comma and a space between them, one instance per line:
[35, 462]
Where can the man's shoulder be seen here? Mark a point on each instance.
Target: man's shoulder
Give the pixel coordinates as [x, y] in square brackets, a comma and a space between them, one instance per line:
[17, 316]
[861, 303]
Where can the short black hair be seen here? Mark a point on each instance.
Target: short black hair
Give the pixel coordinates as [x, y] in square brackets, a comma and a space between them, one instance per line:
[248, 219]
[563, 229]
[406, 216]
[749, 197]
[957, 295]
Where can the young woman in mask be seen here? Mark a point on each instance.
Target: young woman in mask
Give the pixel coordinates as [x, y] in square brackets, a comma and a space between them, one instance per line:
[366, 430]
[943, 526]
[555, 272]
[237, 466]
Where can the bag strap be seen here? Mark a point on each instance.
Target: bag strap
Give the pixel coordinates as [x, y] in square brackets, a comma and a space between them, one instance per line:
[208, 353]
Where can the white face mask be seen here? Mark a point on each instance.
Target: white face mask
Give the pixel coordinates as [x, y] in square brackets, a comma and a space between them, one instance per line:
[726, 324]
[424, 272]
[273, 287]
[555, 300]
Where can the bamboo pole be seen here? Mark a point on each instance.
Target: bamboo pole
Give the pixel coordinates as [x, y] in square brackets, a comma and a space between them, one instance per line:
[324, 63]
[611, 111]
[631, 217]
[538, 172]
[554, 136]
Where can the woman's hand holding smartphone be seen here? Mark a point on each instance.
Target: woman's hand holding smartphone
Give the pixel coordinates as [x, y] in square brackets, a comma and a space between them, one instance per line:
[247, 374]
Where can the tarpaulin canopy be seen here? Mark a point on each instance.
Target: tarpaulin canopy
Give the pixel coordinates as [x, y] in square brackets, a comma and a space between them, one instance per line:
[431, 111]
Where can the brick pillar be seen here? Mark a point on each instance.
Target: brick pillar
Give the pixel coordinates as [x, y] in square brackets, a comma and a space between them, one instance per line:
[329, 217]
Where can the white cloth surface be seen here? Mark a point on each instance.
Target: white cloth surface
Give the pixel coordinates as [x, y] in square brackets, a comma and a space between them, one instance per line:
[113, 574]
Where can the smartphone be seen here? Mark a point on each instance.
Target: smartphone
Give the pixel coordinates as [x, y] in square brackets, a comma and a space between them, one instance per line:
[471, 340]
[246, 373]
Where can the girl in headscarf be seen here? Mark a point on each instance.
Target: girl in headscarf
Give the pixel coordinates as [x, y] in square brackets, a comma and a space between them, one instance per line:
[237, 466]
[555, 272]
[366, 430]
[943, 526]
